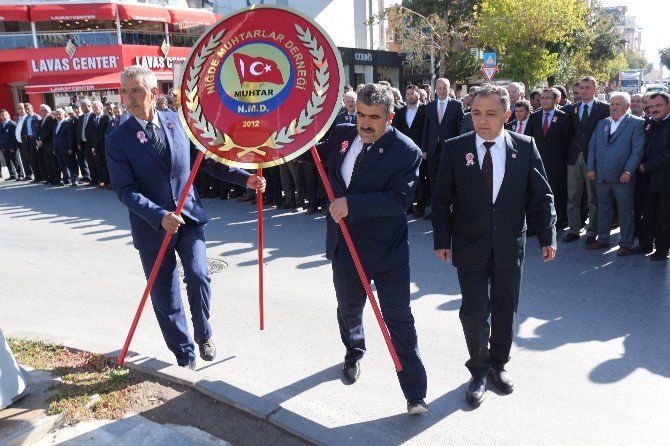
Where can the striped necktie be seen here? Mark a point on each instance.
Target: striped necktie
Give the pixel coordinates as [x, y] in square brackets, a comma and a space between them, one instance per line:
[153, 136]
[487, 167]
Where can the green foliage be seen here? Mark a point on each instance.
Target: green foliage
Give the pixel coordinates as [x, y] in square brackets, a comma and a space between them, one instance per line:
[665, 57]
[638, 61]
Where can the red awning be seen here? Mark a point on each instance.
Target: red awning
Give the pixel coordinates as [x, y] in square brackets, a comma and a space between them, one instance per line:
[192, 17]
[14, 13]
[67, 82]
[143, 13]
[47, 13]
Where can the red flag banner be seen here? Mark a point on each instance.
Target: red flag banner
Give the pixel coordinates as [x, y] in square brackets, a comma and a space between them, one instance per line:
[257, 69]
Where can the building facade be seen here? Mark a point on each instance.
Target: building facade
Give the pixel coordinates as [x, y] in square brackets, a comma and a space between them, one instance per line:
[51, 52]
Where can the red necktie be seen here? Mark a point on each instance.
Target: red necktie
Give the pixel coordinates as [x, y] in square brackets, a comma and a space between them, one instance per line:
[520, 129]
[545, 125]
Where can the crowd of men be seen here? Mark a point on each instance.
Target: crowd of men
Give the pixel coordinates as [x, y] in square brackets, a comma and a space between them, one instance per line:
[609, 163]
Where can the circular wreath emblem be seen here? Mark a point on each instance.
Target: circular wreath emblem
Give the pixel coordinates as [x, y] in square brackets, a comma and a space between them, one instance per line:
[260, 87]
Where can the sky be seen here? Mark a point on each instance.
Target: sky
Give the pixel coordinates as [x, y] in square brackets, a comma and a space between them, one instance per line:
[654, 18]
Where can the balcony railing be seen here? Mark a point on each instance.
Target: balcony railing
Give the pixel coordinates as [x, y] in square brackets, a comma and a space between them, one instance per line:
[84, 38]
[12, 41]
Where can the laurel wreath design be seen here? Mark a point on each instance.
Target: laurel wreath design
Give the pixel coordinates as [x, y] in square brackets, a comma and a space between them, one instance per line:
[278, 139]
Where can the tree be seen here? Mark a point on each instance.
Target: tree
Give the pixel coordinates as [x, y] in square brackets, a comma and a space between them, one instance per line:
[665, 57]
[638, 61]
[525, 41]
[440, 28]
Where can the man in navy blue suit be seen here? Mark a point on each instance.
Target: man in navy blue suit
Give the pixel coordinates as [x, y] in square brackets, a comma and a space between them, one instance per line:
[444, 117]
[64, 146]
[373, 170]
[488, 182]
[149, 163]
[10, 147]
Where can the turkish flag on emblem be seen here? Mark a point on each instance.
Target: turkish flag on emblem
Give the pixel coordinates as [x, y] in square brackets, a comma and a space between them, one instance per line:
[257, 69]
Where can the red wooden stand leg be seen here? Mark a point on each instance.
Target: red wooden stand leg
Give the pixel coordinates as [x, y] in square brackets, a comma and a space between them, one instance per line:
[259, 203]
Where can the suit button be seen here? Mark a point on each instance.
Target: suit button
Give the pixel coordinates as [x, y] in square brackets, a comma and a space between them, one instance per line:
[494, 227]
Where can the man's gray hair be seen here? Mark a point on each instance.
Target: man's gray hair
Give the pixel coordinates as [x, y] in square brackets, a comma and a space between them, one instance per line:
[490, 89]
[520, 86]
[45, 107]
[375, 94]
[98, 103]
[86, 102]
[444, 80]
[351, 94]
[143, 74]
[621, 94]
[637, 95]
[60, 110]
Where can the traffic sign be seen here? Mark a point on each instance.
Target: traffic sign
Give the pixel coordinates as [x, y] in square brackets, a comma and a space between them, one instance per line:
[490, 60]
[489, 72]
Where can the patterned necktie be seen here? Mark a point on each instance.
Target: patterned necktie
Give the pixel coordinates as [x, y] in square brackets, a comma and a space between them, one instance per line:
[440, 111]
[520, 130]
[153, 136]
[487, 167]
[359, 158]
[585, 115]
[545, 126]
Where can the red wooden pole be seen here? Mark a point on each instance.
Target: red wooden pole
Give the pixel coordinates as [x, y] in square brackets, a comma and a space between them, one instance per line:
[159, 260]
[259, 204]
[359, 266]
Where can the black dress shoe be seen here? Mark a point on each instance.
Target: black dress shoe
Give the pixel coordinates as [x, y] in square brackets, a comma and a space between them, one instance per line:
[207, 349]
[502, 380]
[352, 371]
[190, 365]
[641, 250]
[416, 406]
[590, 240]
[419, 214]
[427, 217]
[311, 210]
[476, 391]
[570, 237]
[659, 256]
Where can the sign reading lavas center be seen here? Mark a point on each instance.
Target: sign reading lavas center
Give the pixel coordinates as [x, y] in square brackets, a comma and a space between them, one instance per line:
[261, 87]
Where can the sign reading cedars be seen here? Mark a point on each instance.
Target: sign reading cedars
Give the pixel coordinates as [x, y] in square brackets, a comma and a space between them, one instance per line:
[261, 89]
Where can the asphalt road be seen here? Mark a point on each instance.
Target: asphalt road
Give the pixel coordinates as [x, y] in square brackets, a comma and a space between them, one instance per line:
[591, 358]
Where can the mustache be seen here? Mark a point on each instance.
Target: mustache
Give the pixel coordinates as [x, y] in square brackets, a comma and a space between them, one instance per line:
[367, 129]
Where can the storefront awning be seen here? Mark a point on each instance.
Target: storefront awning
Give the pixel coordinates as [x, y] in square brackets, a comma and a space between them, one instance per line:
[192, 17]
[14, 13]
[47, 13]
[69, 82]
[143, 13]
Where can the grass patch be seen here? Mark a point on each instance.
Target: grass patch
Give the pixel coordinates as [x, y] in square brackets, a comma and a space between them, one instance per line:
[82, 375]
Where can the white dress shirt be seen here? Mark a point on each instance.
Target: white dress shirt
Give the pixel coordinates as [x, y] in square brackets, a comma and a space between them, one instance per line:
[581, 107]
[410, 115]
[19, 127]
[520, 128]
[157, 124]
[615, 124]
[498, 157]
[347, 167]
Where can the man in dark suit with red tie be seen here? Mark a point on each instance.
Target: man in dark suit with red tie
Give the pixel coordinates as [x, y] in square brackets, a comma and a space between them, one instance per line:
[97, 142]
[487, 182]
[443, 121]
[373, 170]
[584, 117]
[551, 129]
[522, 111]
[409, 121]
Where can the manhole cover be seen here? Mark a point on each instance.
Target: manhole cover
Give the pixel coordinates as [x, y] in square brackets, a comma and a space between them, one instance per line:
[213, 266]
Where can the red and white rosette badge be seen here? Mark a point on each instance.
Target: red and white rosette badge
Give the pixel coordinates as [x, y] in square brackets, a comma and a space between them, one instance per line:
[260, 87]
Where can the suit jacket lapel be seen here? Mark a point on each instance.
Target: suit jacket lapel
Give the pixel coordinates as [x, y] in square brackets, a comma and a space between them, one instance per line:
[375, 152]
[168, 128]
[624, 122]
[475, 172]
[343, 153]
[510, 165]
[135, 128]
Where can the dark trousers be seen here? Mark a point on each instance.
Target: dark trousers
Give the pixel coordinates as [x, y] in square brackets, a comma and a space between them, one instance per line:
[14, 164]
[83, 165]
[433, 167]
[91, 163]
[189, 243]
[492, 292]
[314, 190]
[51, 165]
[31, 151]
[25, 159]
[393, 292]
[655, 220]
[293, 183]
[67, 164]
[101, 165]
[422, 194]
[273, 191]
[559, 186]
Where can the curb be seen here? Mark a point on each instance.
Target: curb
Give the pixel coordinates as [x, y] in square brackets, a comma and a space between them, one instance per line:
[256, 406]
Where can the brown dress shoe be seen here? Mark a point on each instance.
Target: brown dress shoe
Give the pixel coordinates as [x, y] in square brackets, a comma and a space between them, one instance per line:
[597, 245]
[623, 251]
[570, 237]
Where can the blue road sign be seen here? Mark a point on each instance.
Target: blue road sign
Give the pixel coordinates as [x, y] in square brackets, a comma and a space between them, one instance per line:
[490, 60]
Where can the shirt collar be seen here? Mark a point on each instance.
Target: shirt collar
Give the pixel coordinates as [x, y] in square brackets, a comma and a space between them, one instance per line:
[144, 123]
[590, 104]
[617, 121]
[499, 140]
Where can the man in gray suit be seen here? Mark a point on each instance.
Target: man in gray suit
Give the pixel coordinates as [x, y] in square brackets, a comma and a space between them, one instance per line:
[615, 152]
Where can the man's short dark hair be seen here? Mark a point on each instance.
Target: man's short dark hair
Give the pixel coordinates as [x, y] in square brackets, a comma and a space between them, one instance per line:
[561, 89]
[490, 89]
[661, 94]
[525, 103]
[376, 94]
[554, 91]
[412, 87]
[424, 86]
[535, 93]
[589, 79]
[576, 84]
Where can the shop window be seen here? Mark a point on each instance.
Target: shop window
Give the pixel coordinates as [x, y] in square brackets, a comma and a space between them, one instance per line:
[80, 32]
[139, 32]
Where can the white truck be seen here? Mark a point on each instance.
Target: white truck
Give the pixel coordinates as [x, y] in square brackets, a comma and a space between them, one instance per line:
[630, 81]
